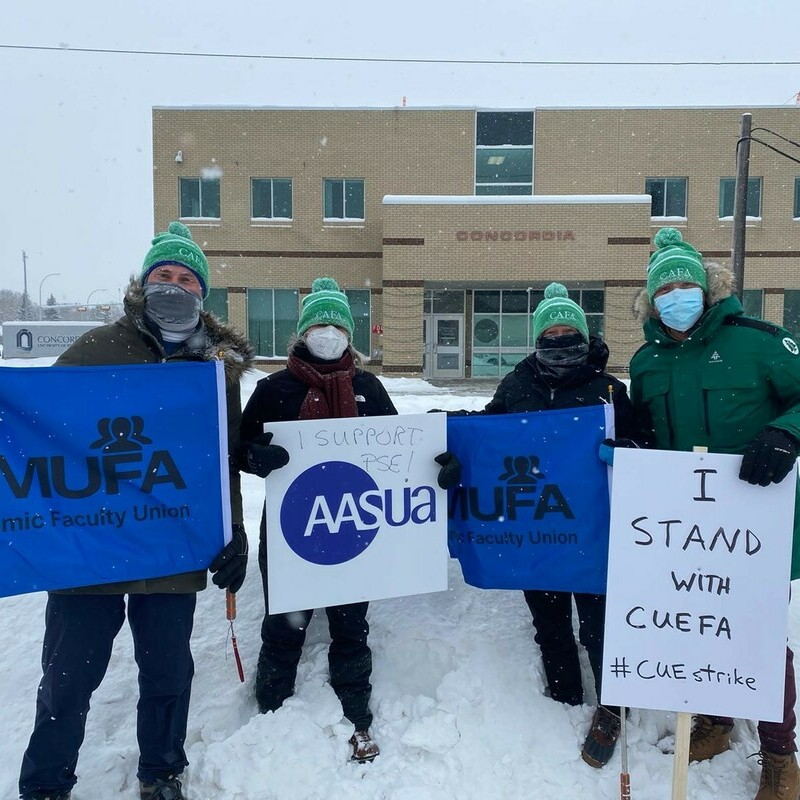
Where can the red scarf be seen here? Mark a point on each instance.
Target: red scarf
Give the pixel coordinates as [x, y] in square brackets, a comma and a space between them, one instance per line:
[330, 387]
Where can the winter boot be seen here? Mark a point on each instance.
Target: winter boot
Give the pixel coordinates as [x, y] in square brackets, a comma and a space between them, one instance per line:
[45, 795]
[780, 777]
[166, 789]
[602, 738]
[708, 738]
[364, 749]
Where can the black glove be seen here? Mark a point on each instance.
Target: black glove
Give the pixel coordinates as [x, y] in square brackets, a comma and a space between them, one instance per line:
[769, 457]
[263, 457]
[450, 470]
[230, 565]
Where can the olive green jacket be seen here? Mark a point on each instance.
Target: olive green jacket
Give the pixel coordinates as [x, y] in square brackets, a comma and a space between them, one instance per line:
[130, 341]
[720, 387]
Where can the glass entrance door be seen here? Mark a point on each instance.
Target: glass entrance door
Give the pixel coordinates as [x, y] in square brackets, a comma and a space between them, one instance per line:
[447, 346]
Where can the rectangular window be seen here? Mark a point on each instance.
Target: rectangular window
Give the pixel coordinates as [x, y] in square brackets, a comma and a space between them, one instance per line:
[217, 303]
[797, 198]
[727, 191]
[272, 198]
[791, 310]
[272, 316]
[501, 325]
[668, 196]
[753, 302]
[199, 198]
[344, 198]
[504, 127]
[500, 165]
[359, 300]
[504, 153]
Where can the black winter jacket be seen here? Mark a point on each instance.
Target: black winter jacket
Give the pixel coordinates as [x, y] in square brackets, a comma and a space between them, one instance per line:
[525, 389]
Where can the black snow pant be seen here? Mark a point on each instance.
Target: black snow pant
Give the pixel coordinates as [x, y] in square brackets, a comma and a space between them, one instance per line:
[552, 620]
[349, 656]
[79, 634]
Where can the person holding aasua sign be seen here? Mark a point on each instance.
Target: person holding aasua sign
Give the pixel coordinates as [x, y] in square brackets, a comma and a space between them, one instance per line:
[323, 380]
[710, 376]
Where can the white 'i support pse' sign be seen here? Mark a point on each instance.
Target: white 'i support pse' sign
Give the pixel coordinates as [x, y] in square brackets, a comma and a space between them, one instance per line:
[698, 580]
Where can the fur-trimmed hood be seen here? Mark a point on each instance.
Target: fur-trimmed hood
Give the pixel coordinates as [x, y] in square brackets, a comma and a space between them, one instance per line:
[219, 340]
[720, 283]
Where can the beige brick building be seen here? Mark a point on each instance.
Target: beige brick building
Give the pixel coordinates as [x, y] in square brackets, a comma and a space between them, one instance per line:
[444, 225]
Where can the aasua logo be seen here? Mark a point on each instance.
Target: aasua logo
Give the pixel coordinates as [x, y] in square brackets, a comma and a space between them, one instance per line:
[524, 493]
[121, 457]
[333, 511]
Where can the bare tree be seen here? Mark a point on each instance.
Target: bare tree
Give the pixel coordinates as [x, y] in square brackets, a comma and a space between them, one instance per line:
[10, 302]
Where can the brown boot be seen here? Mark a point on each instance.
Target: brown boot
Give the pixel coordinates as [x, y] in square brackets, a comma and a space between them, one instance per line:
[780, 777]
[709, 738]
[364, 748]
[598, 747]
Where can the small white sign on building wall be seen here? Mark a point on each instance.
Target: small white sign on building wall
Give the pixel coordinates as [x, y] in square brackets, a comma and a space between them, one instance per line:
[357, 513]
[698, 586]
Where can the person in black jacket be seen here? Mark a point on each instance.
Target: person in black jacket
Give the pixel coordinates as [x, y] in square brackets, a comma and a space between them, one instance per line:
[566, 370]
[322, 381]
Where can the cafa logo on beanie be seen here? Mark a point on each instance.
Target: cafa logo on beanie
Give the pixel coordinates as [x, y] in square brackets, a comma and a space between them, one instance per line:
[176, 246]
[326, 305]
[674, 261]
[558, 309]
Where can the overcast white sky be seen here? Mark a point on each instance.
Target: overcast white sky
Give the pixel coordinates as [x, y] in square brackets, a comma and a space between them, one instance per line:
[75, 135]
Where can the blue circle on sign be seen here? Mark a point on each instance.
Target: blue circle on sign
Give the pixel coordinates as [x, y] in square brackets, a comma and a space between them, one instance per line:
[321, 517]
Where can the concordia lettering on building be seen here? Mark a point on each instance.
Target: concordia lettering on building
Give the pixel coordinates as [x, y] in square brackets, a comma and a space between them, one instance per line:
[515, 236]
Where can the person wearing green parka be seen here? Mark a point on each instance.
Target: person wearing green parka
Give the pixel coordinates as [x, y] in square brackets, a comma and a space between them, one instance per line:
[710, 376]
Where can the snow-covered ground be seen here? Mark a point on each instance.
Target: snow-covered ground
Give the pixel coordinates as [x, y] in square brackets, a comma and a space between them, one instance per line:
[458, 699]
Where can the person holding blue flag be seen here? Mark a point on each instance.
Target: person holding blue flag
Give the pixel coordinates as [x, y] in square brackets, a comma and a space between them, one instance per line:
[163, 321]
[566, 370]
[323, 380]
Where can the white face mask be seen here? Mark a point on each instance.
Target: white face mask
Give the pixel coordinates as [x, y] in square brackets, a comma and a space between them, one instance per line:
[328, 343]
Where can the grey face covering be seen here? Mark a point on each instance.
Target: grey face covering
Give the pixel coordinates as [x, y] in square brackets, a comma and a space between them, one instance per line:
[172, 308]
[559, 355]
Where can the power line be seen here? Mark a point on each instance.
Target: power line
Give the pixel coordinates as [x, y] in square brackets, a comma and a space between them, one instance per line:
[382, 60]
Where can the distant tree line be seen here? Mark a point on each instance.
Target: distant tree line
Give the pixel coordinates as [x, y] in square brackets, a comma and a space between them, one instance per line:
[18, 306]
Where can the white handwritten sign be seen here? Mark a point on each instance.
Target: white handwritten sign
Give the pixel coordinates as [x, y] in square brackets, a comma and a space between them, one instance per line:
[357, 513]
[698, 582]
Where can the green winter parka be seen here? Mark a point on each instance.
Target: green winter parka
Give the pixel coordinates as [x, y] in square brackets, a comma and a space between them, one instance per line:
[130, 341]
[720, 387]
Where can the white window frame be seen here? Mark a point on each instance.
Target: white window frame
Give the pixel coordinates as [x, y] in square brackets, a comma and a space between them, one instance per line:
[272, 199]
[664, 180]
[344, 182]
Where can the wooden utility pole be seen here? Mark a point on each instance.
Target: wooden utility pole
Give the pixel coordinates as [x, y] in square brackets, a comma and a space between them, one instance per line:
[740, 203]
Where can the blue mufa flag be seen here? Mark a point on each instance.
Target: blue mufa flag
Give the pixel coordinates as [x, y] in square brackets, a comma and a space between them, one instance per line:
[532, 511]
[110, 473]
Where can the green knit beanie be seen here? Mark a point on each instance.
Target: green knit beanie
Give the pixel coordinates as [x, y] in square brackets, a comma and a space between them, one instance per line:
[175, 246]
[558, 309]
[326, 305]
[674, 261]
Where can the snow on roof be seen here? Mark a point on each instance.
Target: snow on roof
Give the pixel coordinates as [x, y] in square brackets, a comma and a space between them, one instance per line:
[500, 109]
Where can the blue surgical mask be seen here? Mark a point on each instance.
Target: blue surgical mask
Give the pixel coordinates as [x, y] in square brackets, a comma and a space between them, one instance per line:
[680, 308]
